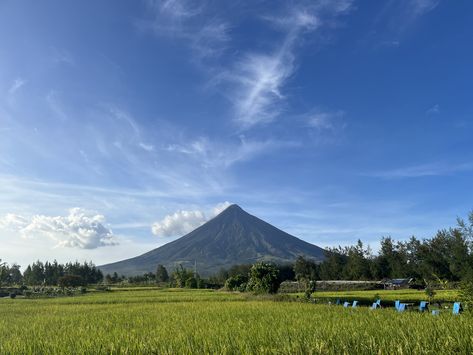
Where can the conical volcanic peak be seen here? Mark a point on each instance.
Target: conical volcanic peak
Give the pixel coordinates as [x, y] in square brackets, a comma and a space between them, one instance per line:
[232, 237]
[232, 209]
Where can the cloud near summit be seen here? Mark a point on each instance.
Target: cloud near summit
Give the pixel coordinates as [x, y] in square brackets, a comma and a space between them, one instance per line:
[182, 222]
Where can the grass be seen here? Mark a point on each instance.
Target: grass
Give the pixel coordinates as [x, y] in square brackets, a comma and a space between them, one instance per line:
[190, 322]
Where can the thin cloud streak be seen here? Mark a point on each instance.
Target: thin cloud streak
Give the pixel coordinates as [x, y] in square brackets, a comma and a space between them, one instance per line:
[424, 170]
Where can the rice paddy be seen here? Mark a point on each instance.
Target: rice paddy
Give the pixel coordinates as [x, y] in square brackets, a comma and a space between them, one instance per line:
[191, 322]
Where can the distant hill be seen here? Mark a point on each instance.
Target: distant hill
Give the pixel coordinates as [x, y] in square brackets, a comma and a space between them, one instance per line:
[233, 237]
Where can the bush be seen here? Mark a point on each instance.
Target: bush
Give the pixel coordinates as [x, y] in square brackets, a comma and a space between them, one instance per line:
[264, 278]
[236, 283]
[13, 295]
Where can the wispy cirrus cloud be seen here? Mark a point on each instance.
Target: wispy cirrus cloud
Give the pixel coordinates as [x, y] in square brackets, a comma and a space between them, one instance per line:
[185, 20]
[423, 170]
[214, 154]
[421, 7]
[323, 120]
[396, 17]
[256, 82]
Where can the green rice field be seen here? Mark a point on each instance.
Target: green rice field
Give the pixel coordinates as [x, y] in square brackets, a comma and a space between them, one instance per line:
[153, 321]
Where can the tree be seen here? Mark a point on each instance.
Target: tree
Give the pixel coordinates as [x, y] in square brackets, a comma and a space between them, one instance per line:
[161, 274]
[358, 264]
[334, 264]
[306, 273]
[14, 274]
[185, 278]
[3, 271]
[263, 278]
[305, 270]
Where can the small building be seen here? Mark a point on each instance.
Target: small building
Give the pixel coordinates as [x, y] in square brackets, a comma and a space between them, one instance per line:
[396, 284]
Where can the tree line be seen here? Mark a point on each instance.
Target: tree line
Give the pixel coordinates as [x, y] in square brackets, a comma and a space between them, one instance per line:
[448, 256]
[50, 274]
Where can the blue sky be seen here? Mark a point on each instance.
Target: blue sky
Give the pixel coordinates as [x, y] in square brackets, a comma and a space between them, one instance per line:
[125, 124]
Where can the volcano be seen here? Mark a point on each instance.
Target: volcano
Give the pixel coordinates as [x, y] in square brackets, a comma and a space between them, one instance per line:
[232, 237]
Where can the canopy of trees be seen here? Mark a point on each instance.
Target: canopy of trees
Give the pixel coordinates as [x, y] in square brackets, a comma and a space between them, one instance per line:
[49, 274]
[263, 278]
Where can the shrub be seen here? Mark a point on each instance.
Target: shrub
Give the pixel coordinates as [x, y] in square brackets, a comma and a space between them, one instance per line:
[236, 283]
[264, 278]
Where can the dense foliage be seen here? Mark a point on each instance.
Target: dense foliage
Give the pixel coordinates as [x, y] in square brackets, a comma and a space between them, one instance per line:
[263, 278]
[48, 273]
[9, 275]
[448, 256]
[161, 274]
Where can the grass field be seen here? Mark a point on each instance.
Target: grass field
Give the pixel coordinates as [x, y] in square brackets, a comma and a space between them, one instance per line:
[185, 322]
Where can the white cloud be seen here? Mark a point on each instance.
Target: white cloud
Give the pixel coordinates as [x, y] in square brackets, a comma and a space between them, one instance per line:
[179, 223]
[211, 154]
[147, 147]
[420, 7]
[183, 222]
[258, 79]
[16, 85]
[220, 207]
[79, 229]
[13, 222]
[184, 20]
[397, 17]
[177, 9]
[325, 120]
[434, 110]
[434, 169]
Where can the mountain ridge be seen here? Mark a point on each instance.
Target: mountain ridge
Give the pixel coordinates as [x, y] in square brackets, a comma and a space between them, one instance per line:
[232, 237]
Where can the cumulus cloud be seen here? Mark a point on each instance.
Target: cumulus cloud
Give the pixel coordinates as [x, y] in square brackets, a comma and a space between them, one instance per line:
[13, 222]
[178, 223]
[79, 229]
[183, 222]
